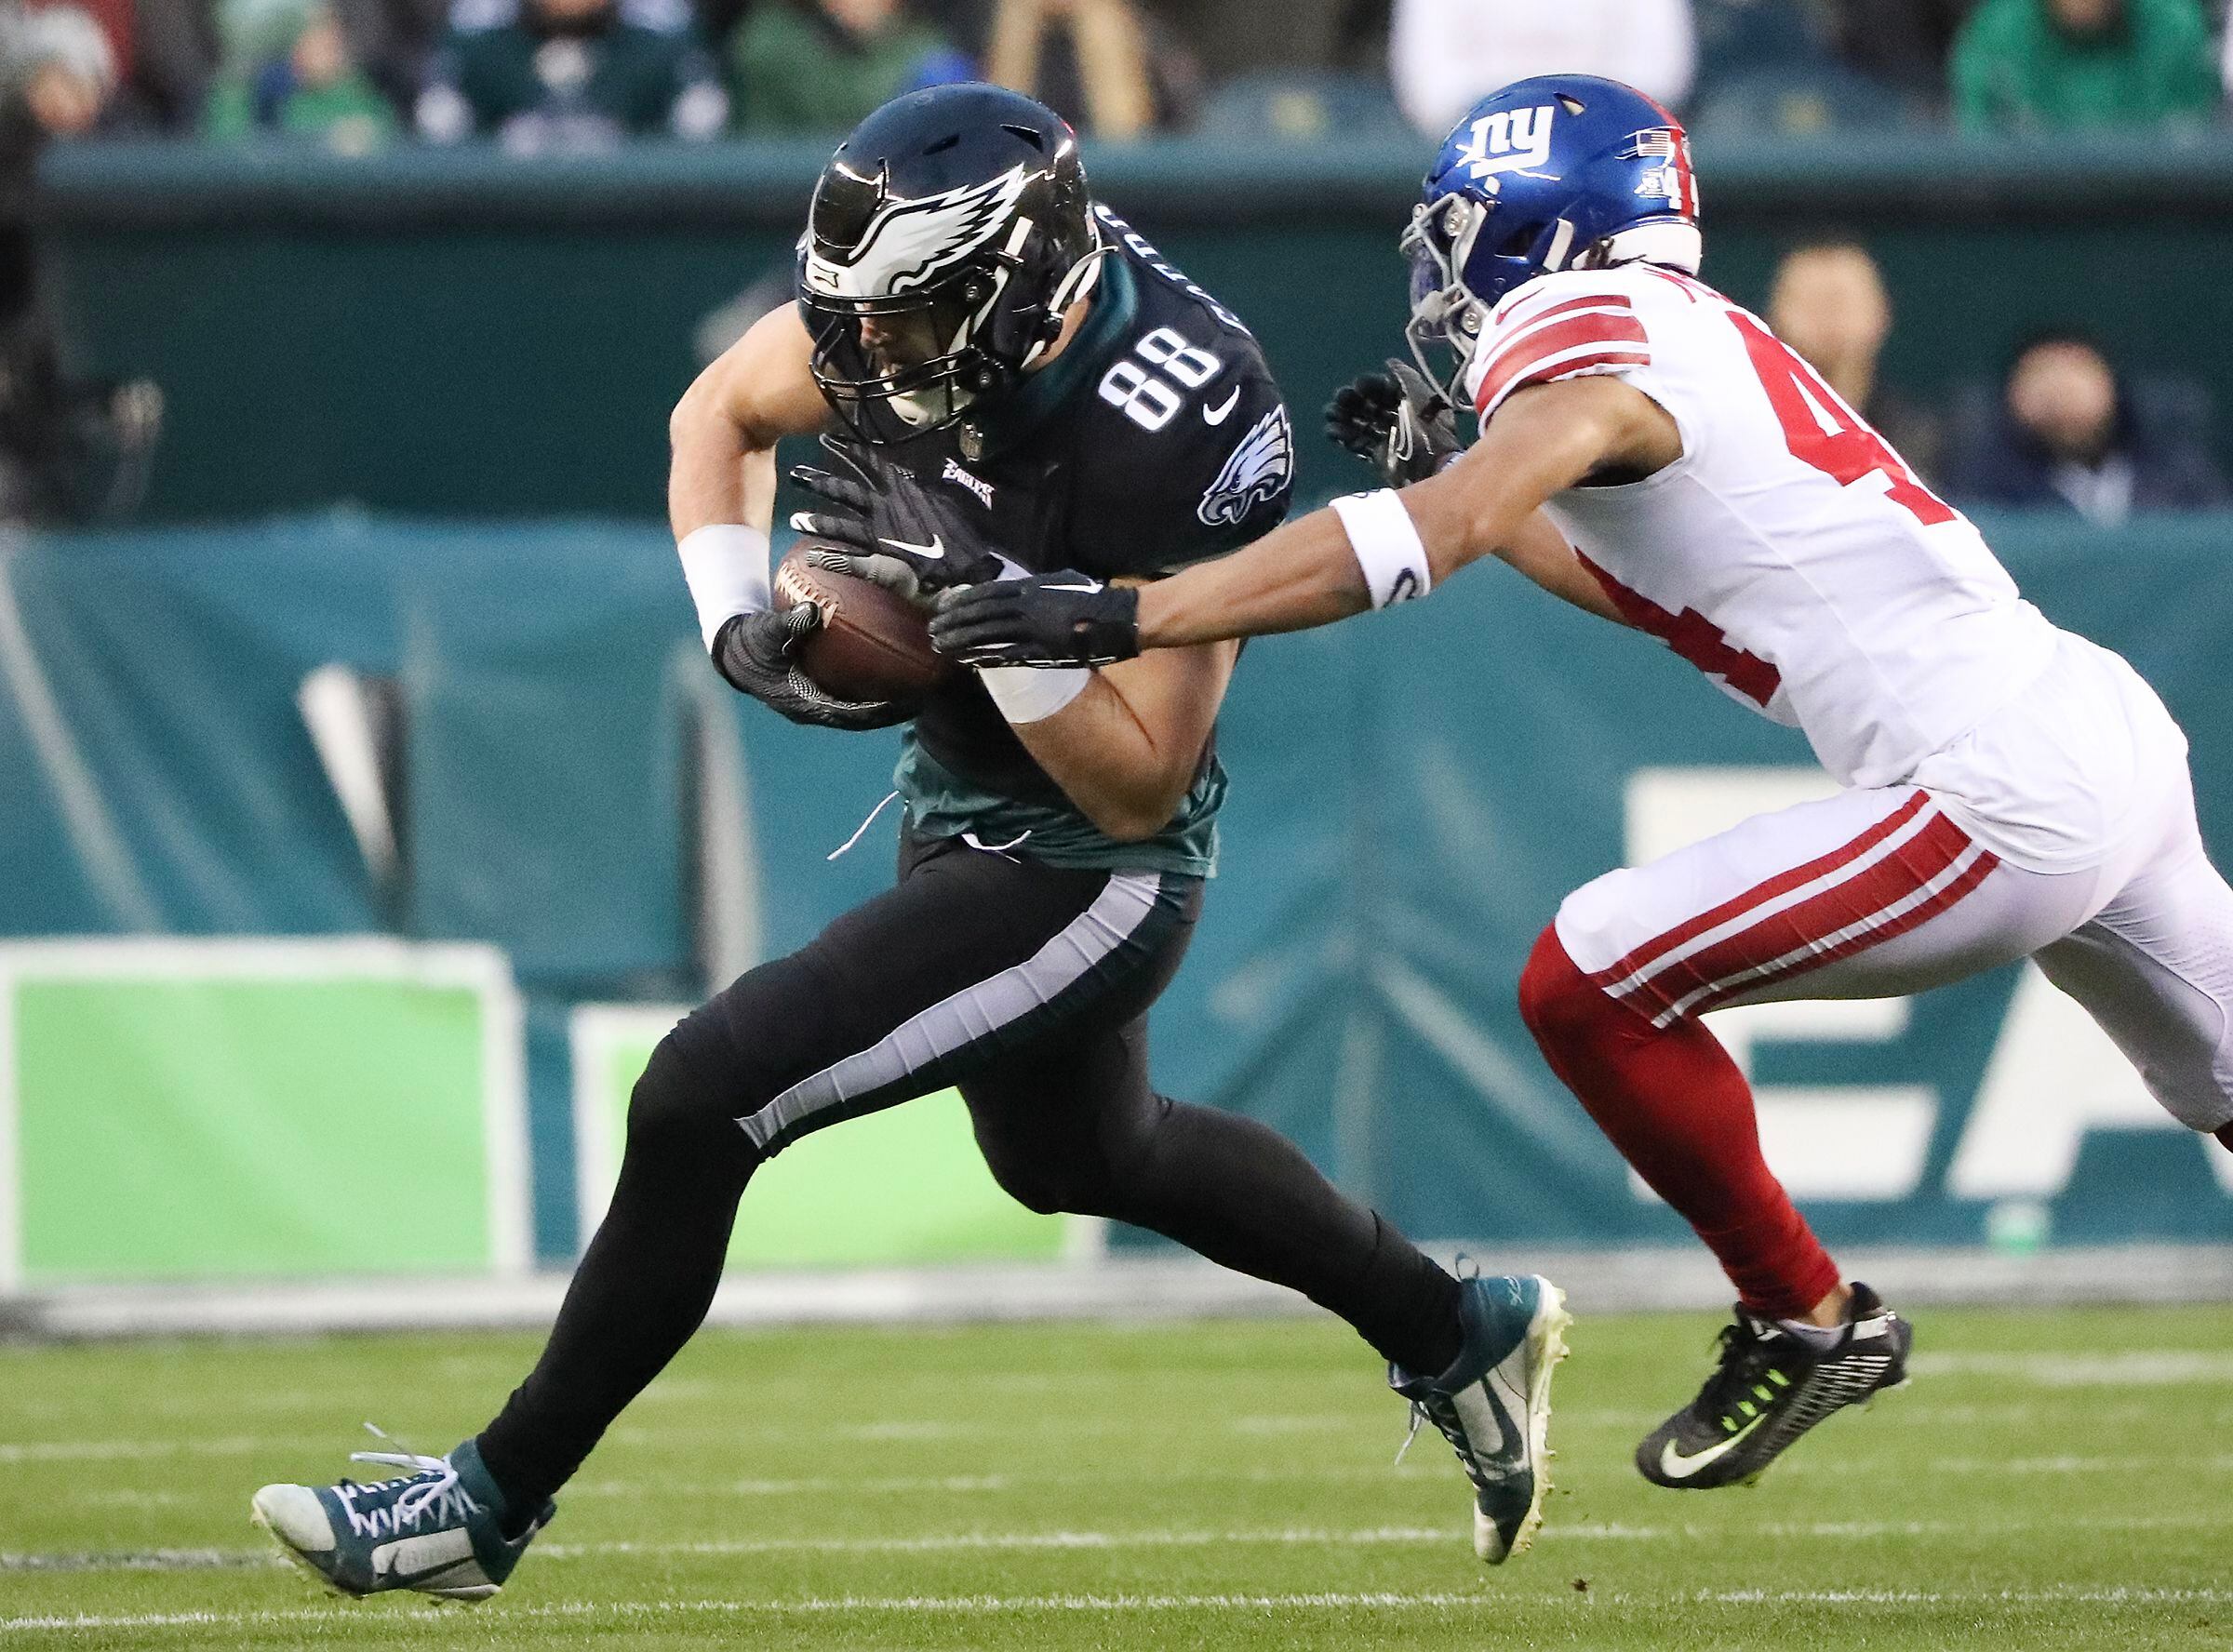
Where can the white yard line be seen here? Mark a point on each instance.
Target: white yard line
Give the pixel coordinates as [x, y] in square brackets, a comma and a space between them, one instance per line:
[946, 1542]
[1342, 1474]
[2130, 1367]
[984, 1542]
[148, 1560]
[977, 1605]
[34, 1452]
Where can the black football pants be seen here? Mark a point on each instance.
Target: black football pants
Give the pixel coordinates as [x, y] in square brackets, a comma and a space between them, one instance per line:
[1028, 987]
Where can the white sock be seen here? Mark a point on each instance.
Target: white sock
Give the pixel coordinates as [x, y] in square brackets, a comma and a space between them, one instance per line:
[1821, 1338]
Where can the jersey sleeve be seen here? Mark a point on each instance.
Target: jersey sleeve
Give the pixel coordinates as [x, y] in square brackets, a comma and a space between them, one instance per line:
[1649, 327]
[1555, 330]
[1248, 493]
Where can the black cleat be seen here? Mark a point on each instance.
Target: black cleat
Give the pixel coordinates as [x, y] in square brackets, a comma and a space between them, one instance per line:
[1768, 1389]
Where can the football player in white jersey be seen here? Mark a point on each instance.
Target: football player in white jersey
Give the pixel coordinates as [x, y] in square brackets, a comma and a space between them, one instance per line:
[1652, 453]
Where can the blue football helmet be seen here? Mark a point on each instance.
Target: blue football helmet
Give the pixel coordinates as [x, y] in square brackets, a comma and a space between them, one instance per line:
[1560, 173]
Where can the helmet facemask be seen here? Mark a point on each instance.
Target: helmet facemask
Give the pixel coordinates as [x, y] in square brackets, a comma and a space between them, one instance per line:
[897, 365]
[1463, 260]
[1446, 318]
[900, 365]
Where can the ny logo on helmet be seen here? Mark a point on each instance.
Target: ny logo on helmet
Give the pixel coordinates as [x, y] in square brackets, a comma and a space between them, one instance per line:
[1509, 140]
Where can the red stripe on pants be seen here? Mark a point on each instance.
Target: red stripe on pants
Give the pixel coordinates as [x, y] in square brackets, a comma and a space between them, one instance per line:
[1782, 883]
[1810, 923]
[1921, 912]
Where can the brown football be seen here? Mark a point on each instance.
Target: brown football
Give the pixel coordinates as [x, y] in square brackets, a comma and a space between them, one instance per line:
[871, 645]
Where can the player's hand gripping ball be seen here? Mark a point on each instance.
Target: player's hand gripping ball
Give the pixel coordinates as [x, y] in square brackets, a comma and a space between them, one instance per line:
[758, 654]
[871, 643]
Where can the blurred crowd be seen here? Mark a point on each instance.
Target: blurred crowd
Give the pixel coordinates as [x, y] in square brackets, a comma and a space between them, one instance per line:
[567, 74]
[537, 74]
[2066, 427]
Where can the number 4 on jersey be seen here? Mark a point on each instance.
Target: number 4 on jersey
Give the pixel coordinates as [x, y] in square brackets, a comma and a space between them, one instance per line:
[1823, 431]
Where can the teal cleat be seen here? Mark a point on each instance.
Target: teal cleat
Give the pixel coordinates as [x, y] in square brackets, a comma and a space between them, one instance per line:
[1493, 1405]
[438, 1529]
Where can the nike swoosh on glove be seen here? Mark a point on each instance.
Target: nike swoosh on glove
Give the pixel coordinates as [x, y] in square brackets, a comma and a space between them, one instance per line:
[753, 652]
[1066, 619]
[908, 538]
[1396, 422]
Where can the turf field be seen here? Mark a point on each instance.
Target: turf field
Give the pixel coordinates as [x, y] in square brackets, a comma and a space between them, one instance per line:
[2050, 1480]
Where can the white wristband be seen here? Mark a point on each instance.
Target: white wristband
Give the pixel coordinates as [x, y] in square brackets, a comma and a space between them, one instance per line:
[1028, 693]
[1387, 544]
[726, 566]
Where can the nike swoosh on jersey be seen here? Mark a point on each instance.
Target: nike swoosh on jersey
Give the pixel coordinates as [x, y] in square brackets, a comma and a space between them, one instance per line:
[1675, 1466]
[1223, 412]
[1087, 590]
[934, 552]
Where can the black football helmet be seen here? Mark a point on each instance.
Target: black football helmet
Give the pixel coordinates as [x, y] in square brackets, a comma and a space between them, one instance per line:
[948, 235]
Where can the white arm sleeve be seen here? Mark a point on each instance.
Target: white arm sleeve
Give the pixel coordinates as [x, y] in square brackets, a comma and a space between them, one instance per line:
[1387, 545]
[726, 566]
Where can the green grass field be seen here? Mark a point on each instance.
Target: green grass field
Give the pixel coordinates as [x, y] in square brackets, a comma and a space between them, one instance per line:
[2050, 1480]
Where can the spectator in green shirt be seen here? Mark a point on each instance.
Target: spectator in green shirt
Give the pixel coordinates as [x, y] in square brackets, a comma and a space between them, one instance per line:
[288, 70]
[826, 65]
[2044, 65]
[565, 76]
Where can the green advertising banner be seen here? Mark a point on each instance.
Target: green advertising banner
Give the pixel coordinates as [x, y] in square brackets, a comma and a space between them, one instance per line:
[237, 1108]
[906, 1186]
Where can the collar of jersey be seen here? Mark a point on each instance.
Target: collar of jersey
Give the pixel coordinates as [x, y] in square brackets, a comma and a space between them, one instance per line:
[1115, 302]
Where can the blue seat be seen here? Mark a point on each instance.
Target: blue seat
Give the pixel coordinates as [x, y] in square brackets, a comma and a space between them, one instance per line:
[1797, 100]
[1766, 67]
[1302, 105]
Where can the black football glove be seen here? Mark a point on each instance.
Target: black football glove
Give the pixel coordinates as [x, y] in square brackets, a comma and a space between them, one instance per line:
[906, 538]
[754, 652]
[1396, 422]
[1050, 619]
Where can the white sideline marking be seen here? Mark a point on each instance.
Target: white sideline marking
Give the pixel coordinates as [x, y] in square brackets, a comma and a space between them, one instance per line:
[148, 1560]
[106, 1451]
[1374, 1535]
[2131, 1368]
[939, 1429]
[994, 1604]
[828, 1487]
[954, 1542]
[1364, 1473]
[945, 1542]
[2219, 1463]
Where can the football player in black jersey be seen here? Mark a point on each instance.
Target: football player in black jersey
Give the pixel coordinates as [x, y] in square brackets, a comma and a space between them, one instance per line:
[993, 359]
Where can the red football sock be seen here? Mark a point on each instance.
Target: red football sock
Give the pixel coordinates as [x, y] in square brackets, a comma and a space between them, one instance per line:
[1671, 1099]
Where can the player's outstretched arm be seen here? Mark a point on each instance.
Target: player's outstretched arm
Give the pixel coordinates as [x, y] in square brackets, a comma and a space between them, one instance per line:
[1543, 441]
[1366, 551]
